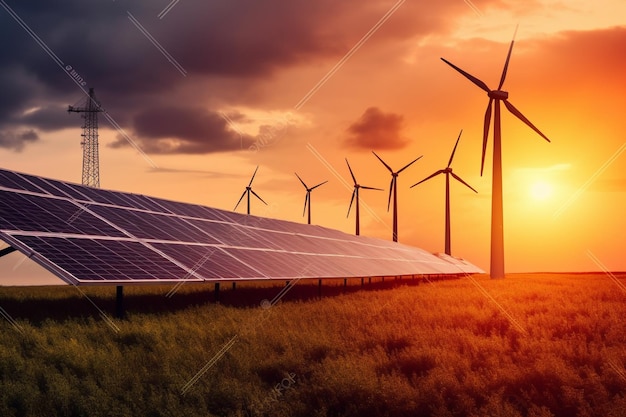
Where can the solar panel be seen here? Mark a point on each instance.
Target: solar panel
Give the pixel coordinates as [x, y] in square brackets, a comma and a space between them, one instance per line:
[87, 236]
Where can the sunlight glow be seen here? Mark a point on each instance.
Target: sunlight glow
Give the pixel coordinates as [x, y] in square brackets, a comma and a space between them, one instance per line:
[541, 191]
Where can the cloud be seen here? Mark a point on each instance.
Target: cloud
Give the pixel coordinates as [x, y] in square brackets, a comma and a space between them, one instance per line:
[184, 130]
[228, 50]
[231, 53]
[376, 130]
[17, 141]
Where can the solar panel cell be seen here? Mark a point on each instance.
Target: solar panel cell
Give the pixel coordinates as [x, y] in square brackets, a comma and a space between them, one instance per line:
[17, 182]
[102, 260]
[38, 213]
[209, 262]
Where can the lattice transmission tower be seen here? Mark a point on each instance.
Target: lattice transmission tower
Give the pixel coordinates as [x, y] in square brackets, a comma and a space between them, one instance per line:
[89, 107]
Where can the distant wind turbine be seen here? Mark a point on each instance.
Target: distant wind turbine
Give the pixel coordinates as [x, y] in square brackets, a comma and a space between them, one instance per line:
[249, 190]
[307, 199]
[355, 193]
[497, 235]
[393, 188]
[448, 172]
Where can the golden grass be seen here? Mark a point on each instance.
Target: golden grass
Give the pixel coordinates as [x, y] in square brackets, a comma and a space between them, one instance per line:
[528, 345]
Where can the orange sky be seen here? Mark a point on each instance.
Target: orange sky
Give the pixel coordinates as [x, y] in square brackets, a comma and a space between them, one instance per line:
[562, 200]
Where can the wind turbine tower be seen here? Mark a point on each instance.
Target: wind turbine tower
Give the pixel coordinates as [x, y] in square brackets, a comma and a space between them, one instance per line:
[355, 196]
[89, 107]
[307, 199]
[496, 97]
[249, 191]
[447, 171]
[393, 189]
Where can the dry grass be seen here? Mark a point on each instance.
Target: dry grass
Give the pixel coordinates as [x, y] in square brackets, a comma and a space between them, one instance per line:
[543, 345]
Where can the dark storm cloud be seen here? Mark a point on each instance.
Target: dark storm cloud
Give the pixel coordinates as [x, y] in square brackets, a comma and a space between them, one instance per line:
[184, 130]
[242, 40]
[376, 130]
[98, 41]
[17, 140]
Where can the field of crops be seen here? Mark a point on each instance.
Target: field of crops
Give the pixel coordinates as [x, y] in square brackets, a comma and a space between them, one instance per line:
[528, 345]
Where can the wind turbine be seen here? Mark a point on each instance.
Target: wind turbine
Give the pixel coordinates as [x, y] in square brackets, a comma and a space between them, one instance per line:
[393, 188]
[355, 193]
[497, 236]
[307, 199]
[448, 172]
[249, 190]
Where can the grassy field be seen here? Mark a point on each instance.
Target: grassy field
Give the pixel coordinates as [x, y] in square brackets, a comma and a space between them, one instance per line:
[529, 345]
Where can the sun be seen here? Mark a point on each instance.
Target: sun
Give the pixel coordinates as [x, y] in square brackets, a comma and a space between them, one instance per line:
[541, 191]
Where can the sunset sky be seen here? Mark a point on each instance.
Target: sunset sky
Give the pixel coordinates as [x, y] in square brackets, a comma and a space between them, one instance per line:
[209, 90]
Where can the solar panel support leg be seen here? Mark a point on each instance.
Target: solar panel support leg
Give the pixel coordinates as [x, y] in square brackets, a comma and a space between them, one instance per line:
[234, 285]
[6, 251]
[345, 283]
[217, 292]
[362, 281]
[119, 302]
[319, 288]
[369, 280]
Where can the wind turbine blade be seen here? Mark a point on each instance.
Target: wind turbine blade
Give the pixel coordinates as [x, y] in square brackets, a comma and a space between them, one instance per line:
[351, 173]
[321, 183]
[441, 171]
[410, 163]
[306, 200]
[301, 180]
[508, 57]
[384, 163]
[463, 182]
[351, 201]
[506, 65]
[257, 196]
[241, 198]
[393, 183]
[486, 135]
[454, 150]
[252, 179]
[470, 77]
[520, 116]
[371, 188]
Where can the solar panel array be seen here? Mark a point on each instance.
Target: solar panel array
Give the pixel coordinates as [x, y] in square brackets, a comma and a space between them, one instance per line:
[86, 235]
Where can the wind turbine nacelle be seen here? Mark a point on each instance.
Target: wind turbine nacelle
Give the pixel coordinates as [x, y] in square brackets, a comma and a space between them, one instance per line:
[498, 94]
